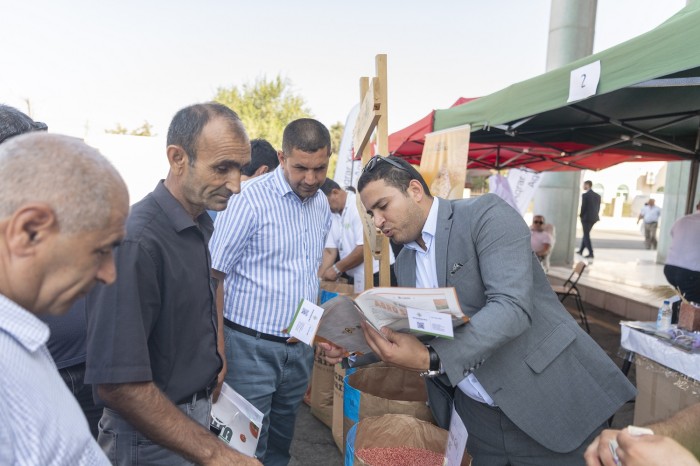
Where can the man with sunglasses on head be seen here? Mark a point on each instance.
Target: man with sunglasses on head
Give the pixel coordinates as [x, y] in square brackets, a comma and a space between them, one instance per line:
[531, 387]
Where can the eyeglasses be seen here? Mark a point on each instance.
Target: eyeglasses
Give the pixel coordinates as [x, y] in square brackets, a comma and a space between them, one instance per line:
[372, 164]
[538, 222]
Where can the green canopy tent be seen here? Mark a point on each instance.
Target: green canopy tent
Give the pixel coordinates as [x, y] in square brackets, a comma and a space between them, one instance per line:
[647, 103]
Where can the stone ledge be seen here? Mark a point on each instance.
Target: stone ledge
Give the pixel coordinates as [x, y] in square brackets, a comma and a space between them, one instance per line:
[627, 301]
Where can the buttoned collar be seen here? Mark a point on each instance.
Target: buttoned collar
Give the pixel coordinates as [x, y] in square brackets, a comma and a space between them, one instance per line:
[179, 218]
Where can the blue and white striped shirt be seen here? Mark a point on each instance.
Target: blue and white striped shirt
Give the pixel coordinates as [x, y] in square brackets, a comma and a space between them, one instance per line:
[40, 420]
[269, 243]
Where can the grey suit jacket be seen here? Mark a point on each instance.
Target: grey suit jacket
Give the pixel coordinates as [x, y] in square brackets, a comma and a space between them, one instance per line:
[545, 373]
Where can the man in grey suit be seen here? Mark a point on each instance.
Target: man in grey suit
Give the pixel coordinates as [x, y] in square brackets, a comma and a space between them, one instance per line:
[590, 208]
[531, 387]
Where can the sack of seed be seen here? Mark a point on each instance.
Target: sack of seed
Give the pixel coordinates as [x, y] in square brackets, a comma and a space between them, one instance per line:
[394, 439]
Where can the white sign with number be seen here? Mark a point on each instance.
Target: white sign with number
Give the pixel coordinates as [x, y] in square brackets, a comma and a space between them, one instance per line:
[584, 81]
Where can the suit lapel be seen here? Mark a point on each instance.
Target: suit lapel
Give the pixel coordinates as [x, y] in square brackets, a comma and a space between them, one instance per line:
[442, 234]
[406, 268]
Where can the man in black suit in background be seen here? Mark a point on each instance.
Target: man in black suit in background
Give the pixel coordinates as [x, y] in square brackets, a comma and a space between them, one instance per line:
[590, 206]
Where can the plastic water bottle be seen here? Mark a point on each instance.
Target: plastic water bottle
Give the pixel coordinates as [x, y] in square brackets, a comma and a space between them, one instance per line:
[663, 320]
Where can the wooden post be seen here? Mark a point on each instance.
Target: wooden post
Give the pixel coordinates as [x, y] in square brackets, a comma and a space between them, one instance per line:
[373, 114]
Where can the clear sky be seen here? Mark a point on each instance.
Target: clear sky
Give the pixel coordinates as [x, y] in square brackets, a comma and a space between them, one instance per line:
[87, 65]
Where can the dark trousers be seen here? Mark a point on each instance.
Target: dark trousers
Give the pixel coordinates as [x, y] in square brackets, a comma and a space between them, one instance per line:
[586, 241]
[494, 440]
[688, 281]
[74, 377]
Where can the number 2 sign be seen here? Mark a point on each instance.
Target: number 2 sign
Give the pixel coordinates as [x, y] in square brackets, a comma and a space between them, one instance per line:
[584, 81]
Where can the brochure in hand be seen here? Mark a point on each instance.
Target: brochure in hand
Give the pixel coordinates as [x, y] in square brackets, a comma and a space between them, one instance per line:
[236, 421]
[431, 311]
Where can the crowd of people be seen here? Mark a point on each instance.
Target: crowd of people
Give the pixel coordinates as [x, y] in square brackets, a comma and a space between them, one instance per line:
[120, 324]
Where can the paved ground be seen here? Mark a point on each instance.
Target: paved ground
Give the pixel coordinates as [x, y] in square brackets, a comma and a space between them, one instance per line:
[313, 443]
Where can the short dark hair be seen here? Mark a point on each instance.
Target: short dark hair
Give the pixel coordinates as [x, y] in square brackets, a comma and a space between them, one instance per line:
[188, 123]
[13, 123]
[394, 176]
[306, 135]
[328, 186]
[588, 182]
[261, 153]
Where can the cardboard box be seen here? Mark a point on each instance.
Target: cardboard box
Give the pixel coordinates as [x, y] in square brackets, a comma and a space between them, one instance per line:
[689, 318]
[661, 392]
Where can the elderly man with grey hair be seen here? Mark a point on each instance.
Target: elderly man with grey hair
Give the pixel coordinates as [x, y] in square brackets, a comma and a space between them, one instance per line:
[63, 207]
[68, 332]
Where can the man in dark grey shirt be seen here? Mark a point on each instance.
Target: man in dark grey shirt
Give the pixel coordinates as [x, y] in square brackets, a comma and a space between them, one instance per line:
[154, 337]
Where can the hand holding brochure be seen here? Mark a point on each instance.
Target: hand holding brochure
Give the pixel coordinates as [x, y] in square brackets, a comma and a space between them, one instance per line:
[432, 311]
[236, 421]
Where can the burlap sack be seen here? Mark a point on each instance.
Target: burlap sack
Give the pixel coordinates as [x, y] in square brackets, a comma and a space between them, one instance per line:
[395, 430]
[375, 391]
[322, 391]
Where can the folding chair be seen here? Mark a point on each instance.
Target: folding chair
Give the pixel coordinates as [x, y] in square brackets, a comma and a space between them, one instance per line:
[569, 289]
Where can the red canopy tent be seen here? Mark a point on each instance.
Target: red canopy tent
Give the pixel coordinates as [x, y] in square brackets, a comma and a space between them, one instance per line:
[408, 143]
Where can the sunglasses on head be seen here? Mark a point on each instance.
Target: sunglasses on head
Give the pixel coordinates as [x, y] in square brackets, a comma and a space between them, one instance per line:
[372, 164]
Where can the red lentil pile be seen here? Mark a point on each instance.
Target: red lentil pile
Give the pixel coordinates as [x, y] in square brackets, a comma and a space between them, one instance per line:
[400, 456]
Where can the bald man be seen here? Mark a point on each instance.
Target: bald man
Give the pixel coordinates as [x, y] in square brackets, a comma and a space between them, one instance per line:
[62, 211]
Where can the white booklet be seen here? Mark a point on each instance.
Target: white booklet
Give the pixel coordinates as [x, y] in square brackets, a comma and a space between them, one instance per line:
[431, 311]
[236, 421]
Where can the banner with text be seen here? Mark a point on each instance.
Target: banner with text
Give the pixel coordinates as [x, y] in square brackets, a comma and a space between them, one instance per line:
[347, 170]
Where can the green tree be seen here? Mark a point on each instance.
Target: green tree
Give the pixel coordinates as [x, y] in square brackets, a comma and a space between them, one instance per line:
[119, 129]
[265, 107]
[146, 129]
[336, 131]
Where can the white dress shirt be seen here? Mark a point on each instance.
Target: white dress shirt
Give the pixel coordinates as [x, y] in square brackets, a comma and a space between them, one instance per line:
[426, 277]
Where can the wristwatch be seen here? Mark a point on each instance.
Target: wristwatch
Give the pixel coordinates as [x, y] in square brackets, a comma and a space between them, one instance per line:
[337, 270]
[434, 367]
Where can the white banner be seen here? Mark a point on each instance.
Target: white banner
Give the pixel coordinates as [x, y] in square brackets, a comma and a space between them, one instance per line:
[523, 184]
[498, 185]
[347, 171]
[518, 189]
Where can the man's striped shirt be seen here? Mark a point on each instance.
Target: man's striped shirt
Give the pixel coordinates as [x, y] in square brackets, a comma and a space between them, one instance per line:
[269, 243]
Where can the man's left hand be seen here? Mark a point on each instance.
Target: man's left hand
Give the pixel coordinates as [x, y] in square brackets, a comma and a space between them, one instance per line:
[399, 349]
[329, 274]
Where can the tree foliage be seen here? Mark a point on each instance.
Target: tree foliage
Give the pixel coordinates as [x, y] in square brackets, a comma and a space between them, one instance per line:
[265, 107]
[336, 131]
[146, 129]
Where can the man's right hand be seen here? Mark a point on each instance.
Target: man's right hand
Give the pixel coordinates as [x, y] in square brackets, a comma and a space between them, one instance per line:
[598, 452]
[652, 450]
[332, 354]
